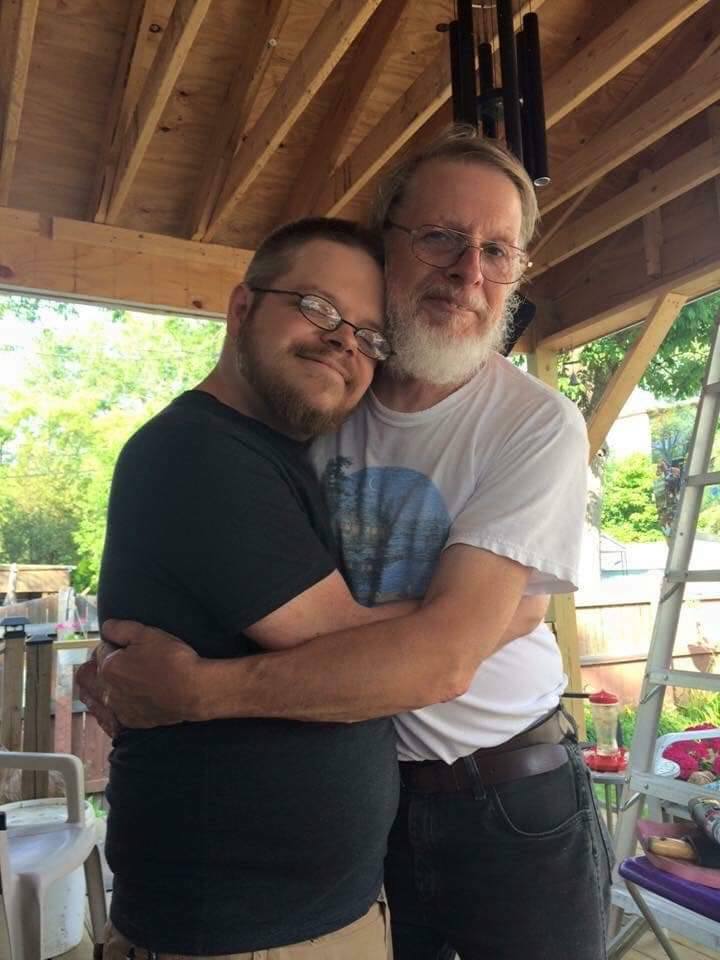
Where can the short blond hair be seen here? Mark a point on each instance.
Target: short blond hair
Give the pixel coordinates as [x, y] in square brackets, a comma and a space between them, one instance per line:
[460, 144]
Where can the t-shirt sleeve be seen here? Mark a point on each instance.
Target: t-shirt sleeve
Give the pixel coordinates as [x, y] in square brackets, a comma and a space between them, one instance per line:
[530, 502]
[219, 519]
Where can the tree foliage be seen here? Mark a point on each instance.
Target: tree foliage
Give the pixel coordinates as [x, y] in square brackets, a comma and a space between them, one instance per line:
[629, 511]
[89, 382]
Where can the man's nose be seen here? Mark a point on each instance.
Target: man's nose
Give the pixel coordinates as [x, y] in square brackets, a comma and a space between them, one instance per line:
[468, 269]
[342, 338]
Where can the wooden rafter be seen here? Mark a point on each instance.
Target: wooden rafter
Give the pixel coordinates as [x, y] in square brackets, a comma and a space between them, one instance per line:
[342, 22]
[696, 280]
[371, 51]
[22, 24]
[233, 116]
[691, 94]
[651, 192]
[182, 28]
[632, 367]
[630, 36]
[713, 116]
[62, 257]
[126, 90]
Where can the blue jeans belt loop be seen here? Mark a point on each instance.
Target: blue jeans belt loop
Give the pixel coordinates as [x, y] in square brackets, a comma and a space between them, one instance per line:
[536, 750]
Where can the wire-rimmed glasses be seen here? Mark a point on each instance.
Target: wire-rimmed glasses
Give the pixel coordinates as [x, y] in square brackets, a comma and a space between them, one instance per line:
[324, 314]
[437, 246]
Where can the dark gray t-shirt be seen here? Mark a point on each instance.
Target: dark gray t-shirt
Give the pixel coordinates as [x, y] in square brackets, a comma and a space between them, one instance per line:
[235, 835]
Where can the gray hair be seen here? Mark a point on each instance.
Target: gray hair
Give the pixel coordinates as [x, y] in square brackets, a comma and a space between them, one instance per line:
[463, 145]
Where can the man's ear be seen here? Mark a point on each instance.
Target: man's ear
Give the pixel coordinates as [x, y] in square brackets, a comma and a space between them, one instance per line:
[238, 308]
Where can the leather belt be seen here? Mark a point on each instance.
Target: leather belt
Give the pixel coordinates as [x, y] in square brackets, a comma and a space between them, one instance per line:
[534, 751]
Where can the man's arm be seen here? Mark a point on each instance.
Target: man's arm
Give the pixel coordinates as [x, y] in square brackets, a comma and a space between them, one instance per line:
[425, 657]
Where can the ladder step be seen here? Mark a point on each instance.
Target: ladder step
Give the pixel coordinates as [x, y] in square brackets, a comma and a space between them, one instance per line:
[665, 788]
[703, 479]
[692, 576]
[685, 678]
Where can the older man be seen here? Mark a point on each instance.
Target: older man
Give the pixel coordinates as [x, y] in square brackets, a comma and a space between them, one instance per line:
[463, 479]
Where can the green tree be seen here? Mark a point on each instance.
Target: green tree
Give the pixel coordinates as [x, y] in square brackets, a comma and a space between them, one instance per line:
[629, 512]
[89, 383]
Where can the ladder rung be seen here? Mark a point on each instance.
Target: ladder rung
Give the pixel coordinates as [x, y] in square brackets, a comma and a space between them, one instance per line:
[666, 788]
[685, 678]
[692, 576]
[703, 479]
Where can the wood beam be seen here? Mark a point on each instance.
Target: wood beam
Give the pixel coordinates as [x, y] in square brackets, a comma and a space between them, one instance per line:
[77, 260]
[696, 281]
[651, 192]
[691, 94]
[264, 26]
[713, 116]
[180, 33]
[430, 91]
[133, 57]
[543, 364]
[632, 367]
[14, 85]
[630, 36]
[373, 47]
[342, 22]
[652, 235]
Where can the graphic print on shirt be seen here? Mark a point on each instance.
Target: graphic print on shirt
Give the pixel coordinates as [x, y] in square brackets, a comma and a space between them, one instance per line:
[391, 524]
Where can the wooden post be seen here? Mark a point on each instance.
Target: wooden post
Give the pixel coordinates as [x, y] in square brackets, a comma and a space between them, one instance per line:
[542, 363]
[12, 690]
[38, 692]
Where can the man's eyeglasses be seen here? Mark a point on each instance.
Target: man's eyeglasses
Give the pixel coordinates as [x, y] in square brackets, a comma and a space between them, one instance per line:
[441, 247]
[325, 315]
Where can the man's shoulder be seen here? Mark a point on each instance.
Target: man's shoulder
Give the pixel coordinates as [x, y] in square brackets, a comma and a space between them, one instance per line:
[192, 430]
[522, 388]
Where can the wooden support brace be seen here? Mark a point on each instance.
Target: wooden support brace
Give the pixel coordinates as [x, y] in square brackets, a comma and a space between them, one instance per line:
[542, 363]
[13, 87]
[630, 371]
[12, 693]
[38, 694]
[652, 235]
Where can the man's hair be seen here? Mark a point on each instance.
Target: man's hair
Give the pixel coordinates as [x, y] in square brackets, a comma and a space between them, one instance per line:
[459, 144]
[275, 255]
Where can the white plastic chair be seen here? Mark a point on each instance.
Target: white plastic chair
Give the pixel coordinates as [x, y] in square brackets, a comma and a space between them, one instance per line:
[31, 861]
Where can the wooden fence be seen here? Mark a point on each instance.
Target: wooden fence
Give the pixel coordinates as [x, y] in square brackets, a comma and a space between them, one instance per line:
[40, 705]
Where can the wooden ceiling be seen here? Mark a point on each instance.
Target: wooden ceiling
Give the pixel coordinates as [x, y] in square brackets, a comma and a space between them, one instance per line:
[147, 145]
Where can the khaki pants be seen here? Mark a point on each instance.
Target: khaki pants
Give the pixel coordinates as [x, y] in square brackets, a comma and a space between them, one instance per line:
[366, 939]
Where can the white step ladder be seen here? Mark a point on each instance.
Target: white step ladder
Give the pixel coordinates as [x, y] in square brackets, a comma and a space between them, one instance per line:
[641, 782]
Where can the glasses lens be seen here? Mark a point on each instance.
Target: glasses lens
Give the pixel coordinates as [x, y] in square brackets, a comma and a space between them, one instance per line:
[373, 344]
[437, 247]
[501, 263]
[320, 312]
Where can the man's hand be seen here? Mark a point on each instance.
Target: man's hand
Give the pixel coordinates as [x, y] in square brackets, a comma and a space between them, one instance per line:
[150, 679]
[93, 693]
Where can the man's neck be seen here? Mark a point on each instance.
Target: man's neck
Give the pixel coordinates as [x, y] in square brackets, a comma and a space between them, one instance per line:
[408, 395]
[237, 393]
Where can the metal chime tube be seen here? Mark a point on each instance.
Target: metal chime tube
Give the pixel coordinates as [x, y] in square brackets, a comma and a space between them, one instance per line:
[535, 101]
[525, 115]
[485, 70]
[462, 66]
[509, 70]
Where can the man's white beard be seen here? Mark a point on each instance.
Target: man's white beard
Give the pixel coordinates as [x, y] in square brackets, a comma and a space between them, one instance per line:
[434, 354]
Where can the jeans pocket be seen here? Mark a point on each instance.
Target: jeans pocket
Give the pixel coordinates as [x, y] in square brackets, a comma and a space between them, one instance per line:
[541, 805]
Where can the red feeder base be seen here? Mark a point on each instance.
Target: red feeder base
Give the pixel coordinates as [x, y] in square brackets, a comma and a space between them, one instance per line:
[602, 764]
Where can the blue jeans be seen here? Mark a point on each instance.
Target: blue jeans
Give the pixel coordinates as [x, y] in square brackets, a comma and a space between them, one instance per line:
[515, 871]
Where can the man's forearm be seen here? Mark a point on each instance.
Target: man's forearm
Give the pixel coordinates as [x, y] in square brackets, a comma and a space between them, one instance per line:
[347, 676]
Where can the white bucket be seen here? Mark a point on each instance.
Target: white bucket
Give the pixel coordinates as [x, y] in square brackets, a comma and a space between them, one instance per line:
[65, 903]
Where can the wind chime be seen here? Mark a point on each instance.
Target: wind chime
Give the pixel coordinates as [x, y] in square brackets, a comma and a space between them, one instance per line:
[515, 105]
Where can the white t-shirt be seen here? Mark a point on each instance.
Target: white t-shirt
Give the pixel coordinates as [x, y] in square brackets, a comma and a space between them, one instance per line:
[500, 464]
